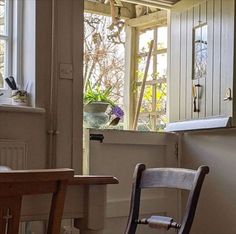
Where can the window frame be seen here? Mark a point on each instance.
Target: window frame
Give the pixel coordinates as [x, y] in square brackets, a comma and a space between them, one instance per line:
[7, 37]
[13, 39]
[157, 19]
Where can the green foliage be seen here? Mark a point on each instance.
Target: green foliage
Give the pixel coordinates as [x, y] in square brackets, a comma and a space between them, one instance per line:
[97, 95]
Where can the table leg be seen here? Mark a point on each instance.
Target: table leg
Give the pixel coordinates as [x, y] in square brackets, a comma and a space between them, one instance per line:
[94, 210]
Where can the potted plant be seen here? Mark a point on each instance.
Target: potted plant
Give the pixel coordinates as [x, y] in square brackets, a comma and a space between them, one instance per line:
[96, 103]
[97, 100]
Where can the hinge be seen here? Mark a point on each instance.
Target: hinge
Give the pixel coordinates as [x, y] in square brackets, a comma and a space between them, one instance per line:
[177, 150]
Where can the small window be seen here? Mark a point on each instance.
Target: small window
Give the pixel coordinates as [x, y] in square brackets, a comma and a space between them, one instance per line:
[200, 52]
[5, 40]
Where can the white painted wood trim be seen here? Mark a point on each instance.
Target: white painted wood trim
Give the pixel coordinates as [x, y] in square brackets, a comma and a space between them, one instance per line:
[199, 124]
[154, 19]
[112, 136]
[24, 109]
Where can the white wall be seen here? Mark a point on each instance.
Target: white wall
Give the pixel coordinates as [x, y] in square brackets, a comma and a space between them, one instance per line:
[28, 128]
[217, 206]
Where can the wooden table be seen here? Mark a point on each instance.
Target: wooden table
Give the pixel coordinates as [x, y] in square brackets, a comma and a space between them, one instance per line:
[85, 203]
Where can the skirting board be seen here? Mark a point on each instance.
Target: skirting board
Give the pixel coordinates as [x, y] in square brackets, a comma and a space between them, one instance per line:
[199, 124]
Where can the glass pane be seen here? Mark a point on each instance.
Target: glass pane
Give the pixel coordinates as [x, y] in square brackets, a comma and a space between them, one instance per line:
[144, 123]
[200, 52]
[161, 65]
[2, 17]
[162, 38]
[198, 35]
[144, 40]
[204, 37]
[161, 93]
[147, 99]
[2, 62]
[142, 61]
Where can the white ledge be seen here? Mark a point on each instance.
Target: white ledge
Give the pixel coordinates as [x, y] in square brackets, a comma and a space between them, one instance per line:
[21, 109]
[199, 124]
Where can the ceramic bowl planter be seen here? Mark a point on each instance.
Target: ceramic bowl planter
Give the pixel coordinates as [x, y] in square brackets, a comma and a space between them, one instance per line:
[95, 115]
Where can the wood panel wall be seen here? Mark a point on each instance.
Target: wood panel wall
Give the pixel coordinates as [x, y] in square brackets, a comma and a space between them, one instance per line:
[219, 16]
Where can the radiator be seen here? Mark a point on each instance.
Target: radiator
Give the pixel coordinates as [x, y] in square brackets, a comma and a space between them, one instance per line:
[13, 154]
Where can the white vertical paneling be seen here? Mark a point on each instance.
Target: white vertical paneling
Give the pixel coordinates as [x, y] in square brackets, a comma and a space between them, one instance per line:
[219, 17]
[183, 69]
[175, 67]
[217, 57]
[227, 54]
[189, 96]
[203, 13]
[210, 58]
[196, 15]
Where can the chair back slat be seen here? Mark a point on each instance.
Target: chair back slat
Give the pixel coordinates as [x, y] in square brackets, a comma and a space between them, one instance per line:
[15, 184]
[167, 178]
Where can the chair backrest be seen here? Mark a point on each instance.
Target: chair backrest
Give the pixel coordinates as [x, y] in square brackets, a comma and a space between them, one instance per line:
[15, 184]
[166, 178]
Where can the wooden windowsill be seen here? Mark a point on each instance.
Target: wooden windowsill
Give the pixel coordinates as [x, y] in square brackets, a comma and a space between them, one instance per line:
[21, 109]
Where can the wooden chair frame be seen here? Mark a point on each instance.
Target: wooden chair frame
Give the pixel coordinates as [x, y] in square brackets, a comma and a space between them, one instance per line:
[15, 184]
[166, 178]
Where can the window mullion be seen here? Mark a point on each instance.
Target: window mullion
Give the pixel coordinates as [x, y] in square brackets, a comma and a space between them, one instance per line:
[154, 91]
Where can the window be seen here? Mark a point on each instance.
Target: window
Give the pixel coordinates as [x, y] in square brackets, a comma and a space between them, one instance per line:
[5, 40]
[152, 115]
[200, 52]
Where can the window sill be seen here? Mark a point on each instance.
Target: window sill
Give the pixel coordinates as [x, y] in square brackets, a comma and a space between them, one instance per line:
[21, 109]
[199, 124]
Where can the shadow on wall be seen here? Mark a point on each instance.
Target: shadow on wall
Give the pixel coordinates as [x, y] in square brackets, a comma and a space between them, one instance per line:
[217, 206]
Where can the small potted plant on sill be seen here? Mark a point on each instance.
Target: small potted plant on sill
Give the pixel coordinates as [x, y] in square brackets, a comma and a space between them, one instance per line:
[96, 103]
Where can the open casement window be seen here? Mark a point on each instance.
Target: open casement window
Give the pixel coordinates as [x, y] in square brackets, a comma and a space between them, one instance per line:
[152, 115]
[5, 40]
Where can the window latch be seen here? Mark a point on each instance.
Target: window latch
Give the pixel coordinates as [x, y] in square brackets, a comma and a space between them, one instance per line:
[96, 137]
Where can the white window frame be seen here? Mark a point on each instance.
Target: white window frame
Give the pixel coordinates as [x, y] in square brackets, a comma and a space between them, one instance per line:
[154, 20]
[154, 113]
[13, 53]
[7, 37]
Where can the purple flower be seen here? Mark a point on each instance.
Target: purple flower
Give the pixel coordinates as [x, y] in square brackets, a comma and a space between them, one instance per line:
[117, 111]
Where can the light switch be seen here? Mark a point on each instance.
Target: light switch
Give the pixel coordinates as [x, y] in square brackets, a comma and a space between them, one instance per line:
[66, 71]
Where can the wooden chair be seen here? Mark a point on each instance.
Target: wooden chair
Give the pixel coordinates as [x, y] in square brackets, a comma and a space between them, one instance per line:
[15, 184]
[166, 178]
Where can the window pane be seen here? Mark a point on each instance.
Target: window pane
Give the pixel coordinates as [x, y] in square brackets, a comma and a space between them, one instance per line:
[142, 62]
[161, 38]
[161, 65]
[147, 99]
[2, 62]
[144, 123]
[200, 52]
[2, 17]
[144, 40]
